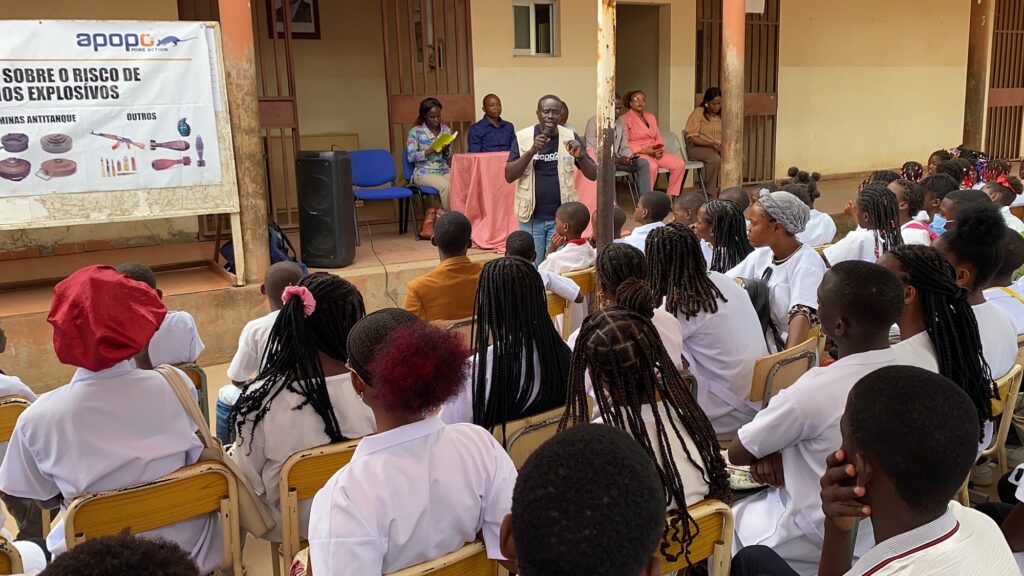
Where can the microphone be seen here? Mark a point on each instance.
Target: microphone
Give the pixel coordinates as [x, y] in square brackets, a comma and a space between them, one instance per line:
[551, 131]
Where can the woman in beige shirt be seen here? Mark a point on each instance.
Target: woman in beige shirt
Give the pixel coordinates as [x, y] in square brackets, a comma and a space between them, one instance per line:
[704, 137]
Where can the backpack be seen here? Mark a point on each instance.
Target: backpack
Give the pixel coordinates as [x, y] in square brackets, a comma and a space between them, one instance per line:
[757, 290]
[281, 249]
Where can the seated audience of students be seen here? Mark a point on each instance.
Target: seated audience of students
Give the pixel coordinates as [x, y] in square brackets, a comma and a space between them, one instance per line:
[622, 267]
[119, 425]
[520, 243]
[302, 396]
[910, 201]
[418, 488]
[651, 212]
[520, 363]
[936, 188]
[878, 227]
[177, 341]
[716, 317]
[907, 445]
[912, 171]
[686, 206]
[594, 522]
[973, 247]
[791, 269]
[25, 512]
[637, 390]
[1000, 290]
[252, 343]
[568, 250]
[821, 228]
[1002, 196]
[720, 225]
[787, 443]
[446, 292]
[938, 329]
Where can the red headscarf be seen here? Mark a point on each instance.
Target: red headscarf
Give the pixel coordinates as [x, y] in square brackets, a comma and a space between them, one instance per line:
[101, 317]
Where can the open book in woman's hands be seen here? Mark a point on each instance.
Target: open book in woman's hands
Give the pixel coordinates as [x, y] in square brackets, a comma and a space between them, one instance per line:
[442, 141]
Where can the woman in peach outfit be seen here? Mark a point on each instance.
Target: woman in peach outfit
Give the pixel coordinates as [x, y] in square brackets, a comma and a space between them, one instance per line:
[645, 140]
[704, 137]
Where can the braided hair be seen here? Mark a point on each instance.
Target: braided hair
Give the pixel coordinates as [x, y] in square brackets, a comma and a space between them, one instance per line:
[511, 316]
[292, 362]
[678, 272]
[912, 171]
[730, 230]
[996, 169]
[630, 370]
[950, 323]
[622, 270]
[883, 214]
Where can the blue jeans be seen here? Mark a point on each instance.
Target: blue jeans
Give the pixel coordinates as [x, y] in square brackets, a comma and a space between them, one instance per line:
[542, 231]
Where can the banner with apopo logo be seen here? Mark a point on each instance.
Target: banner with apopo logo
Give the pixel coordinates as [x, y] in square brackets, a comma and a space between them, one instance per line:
[88, 106]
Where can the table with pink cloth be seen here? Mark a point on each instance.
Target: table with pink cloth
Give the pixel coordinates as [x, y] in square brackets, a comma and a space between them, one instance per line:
[478, 190]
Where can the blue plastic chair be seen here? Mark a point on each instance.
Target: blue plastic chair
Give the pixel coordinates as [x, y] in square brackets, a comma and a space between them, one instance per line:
[417, 189]
[374, 168]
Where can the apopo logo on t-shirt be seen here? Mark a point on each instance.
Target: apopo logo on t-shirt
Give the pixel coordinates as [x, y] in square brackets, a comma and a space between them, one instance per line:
[128, 41]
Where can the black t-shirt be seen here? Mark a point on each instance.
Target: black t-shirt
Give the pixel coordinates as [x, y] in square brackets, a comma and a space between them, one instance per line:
[545, 169]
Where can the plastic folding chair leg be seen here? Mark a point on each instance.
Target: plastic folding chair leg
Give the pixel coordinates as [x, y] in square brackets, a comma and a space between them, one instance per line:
[403, 215]
[700, 178]
[355, 222]
[634, 189]
[415, 223]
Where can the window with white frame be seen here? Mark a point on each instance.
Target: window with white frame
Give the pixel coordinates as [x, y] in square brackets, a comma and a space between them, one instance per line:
[534, 27]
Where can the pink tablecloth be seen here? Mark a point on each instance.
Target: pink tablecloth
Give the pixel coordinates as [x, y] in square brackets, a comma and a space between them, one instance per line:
[478, 190]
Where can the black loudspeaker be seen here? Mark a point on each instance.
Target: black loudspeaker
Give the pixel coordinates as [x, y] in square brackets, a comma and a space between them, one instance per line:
[326, 208]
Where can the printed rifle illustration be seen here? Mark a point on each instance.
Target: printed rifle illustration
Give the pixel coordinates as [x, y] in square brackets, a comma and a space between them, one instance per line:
[118, 140]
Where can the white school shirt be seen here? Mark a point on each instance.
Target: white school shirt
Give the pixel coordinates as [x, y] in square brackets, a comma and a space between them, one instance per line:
[1012, 222]
[177, 341]
[107, 430]
[638, 239]
[695, 487]
[998, 338]
[285, 431]
[570, 258]
[668, 329]
[12, 386]
[802, 423]
[859, 244]
[915, 232]
[252, 343]
[460, 408]
[722, 349]
[409, 495]
[1018, 200]
[709, 253]
[794, 282]
[919, 351]
[1009, 304]
[560, 285]
[961, 542]
[820, 229]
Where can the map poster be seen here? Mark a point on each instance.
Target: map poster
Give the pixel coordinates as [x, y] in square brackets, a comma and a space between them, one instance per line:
[92, 106]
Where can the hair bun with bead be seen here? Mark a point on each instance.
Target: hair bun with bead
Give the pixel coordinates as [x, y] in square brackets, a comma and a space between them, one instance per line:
[635, 294]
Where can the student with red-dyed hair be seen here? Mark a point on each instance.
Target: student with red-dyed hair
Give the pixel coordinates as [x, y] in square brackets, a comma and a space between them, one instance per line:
[418, 488]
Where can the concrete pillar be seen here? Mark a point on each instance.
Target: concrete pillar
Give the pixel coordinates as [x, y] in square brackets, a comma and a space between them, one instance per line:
[605, 120]
[979, 64]
[237, 41]
[733, 51]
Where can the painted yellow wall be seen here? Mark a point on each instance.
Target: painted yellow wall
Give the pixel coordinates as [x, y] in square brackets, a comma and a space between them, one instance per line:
[869, 84]
[120, 234]
[638, 51]
[521, 80]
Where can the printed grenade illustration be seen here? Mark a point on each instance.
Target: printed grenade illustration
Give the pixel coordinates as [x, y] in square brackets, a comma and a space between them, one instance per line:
[183, 128]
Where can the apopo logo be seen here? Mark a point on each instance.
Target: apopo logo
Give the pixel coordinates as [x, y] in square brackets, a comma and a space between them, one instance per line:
[129, 42]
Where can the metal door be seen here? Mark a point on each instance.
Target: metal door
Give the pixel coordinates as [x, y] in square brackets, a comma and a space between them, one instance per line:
[1006, 88]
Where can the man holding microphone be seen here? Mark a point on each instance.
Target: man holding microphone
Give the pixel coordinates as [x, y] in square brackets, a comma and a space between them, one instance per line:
[544, 160]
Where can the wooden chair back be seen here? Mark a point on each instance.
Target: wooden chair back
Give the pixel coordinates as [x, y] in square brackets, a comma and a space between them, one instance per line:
[10, 558]
[557, 307]
[302, 476]
[463, 326]
[11, 408]
[198, 377]
[470, 560]
[779, 371]
[1004, 406]
[203, 488]
[586, 279]
[1020, 349]
[521, 437]
[715, 520]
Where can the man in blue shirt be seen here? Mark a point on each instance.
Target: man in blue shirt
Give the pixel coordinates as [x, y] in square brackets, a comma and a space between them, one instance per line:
[491, 133]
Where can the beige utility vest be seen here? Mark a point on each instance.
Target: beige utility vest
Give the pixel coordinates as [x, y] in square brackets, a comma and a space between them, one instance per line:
[524, 197]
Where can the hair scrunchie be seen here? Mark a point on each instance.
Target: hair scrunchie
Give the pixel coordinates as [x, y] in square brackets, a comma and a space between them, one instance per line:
[786, 209]
[303, 293]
